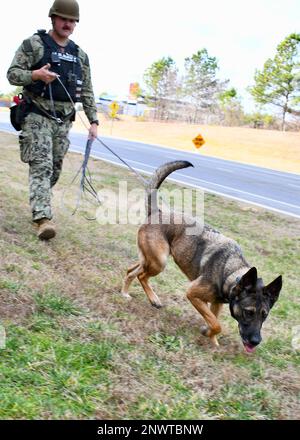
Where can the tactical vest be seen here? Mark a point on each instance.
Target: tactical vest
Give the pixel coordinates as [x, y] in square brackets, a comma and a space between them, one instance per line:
[66, 64]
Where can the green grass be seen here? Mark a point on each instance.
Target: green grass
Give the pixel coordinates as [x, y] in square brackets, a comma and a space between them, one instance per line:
[76, 349]
[44, 370]
[55, 304]
[244, 403]
[10, 285]
[168, 342]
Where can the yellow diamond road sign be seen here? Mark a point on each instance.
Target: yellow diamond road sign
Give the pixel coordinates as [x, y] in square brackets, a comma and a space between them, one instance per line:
[114, 106]
[199, 141]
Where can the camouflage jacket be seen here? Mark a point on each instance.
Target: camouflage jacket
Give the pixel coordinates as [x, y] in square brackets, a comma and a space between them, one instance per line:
[30, 53]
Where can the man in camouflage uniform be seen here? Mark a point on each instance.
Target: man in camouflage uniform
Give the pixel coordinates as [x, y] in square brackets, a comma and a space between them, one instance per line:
[44, 137]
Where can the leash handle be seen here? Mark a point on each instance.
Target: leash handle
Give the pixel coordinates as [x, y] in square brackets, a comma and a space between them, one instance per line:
[87, 153]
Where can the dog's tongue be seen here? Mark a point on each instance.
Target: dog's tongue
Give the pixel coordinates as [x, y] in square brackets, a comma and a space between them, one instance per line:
[249, 348]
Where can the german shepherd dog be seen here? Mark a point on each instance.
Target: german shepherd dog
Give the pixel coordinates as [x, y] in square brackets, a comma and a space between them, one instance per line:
[214, 264]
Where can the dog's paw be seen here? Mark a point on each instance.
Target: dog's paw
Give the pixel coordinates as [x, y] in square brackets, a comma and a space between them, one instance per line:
[204, 330]
[126, 295]
[156, 304]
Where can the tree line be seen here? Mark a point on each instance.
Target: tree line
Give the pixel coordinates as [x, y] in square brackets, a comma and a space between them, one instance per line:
[198, 96]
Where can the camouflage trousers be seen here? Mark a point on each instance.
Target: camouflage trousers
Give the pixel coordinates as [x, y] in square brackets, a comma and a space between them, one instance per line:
[43, 145]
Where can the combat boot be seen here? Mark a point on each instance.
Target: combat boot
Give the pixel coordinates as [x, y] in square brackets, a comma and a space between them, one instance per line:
[46, 229]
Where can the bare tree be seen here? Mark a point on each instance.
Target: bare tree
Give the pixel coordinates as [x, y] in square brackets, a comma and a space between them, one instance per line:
[161, 79]
[200, 83]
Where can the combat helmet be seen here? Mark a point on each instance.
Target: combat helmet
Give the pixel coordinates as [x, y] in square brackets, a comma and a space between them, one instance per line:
[66, 9]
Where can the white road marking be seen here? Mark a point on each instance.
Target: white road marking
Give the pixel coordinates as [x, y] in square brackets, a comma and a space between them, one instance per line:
[225, 169]
[240, 191]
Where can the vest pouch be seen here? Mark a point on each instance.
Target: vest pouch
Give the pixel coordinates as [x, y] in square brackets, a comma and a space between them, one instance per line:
[16, 116]
[18, 113]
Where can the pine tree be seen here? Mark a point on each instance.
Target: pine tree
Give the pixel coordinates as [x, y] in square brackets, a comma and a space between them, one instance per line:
[278, 82]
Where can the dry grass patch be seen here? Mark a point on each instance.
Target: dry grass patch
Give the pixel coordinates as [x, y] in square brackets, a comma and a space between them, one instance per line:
[266, 148]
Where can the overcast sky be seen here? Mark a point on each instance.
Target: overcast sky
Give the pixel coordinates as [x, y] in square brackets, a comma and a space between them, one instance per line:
[124, 37]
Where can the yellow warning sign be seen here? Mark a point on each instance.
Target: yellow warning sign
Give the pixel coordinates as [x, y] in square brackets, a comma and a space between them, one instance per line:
[114, 107]
[199, 141]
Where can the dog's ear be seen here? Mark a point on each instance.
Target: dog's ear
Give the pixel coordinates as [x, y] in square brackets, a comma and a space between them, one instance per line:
[249, 279]
[272, 290]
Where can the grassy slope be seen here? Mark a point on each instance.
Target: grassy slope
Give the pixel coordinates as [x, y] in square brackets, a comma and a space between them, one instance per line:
[76, 349]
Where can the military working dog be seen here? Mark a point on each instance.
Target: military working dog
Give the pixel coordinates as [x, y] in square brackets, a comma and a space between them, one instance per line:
[213, 263]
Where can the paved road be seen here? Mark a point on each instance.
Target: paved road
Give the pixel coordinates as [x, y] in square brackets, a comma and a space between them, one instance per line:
[275, 190]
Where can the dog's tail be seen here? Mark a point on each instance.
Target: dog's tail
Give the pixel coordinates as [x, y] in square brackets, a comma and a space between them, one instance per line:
[157, 179]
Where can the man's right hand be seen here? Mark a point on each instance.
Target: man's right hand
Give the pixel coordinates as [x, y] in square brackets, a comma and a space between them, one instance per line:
[44, 74]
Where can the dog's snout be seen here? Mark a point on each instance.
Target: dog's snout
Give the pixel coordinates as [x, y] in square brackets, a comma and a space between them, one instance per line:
[255, 340]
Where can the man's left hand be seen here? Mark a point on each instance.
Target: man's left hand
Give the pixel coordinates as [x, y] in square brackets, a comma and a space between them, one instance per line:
[93, 131]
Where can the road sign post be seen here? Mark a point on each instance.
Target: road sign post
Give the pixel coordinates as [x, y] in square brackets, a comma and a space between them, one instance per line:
[114, 107]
